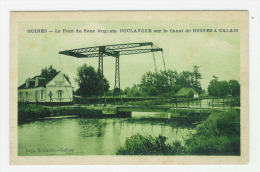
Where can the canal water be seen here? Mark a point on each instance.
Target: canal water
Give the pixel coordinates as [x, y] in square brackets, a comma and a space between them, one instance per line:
[83, 136]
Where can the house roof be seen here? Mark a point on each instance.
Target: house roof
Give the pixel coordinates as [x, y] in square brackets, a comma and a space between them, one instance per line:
[185, 91]
[42, 82]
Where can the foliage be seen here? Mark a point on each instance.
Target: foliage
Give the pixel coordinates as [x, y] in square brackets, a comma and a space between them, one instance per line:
[218, 135]
[223, 88]
[134, 91]
[190, 94]
[48, 71]
[126, 90]
[75, 111]
[32, 112]
[27, 113]
[111, 92]
[148, 145]
[234, 87]
[88, 82]
[45, 72]
[170, 82]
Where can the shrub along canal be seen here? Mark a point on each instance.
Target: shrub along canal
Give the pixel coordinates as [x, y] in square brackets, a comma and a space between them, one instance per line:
[90, 136]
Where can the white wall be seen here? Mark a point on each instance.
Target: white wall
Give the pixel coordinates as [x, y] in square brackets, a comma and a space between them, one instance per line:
[59, 83]
[31, 94]
[196, 95]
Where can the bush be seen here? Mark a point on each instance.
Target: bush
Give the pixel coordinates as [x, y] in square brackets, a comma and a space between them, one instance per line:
[218, 135]
[28, 113]
[76, 111]
[148, 145]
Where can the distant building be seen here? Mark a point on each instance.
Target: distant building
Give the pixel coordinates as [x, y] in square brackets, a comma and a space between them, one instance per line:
[52, 88]
[185, 92]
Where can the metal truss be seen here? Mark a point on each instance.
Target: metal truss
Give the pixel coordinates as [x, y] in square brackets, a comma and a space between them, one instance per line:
[117, 81]
[82, 51]
[114, 51]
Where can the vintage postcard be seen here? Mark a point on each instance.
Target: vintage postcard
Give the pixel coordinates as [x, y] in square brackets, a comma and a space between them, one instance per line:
[129, 87]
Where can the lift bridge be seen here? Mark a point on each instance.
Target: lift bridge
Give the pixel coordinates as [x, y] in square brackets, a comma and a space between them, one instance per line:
[115, 50]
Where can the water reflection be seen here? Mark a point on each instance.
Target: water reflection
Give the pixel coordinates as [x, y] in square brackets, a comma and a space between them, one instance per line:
[91, 127]
[97, 136]
[150, 115]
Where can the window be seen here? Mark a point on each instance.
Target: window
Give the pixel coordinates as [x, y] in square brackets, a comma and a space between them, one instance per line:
[20, 98]
[36, 95]
[27, 83]
[42, 94]
[36, 82]
[60, 94]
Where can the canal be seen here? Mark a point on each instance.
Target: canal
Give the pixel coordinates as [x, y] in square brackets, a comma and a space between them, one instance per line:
[84, 136]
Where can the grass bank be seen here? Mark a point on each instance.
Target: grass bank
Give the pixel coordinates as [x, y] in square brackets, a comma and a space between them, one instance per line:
[33, 112]
[218, 135]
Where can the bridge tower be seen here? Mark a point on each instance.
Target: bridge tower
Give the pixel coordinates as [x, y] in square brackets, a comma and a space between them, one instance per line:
[101, 89]
[117, 91]
[116, 51]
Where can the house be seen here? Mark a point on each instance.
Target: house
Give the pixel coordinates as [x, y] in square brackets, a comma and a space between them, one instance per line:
[52, 88]
[185, 92]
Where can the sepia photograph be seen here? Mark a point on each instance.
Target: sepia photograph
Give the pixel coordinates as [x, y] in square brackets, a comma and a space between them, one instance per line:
[130, 84]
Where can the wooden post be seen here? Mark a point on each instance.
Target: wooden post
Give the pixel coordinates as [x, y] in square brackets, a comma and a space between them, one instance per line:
[212, 103]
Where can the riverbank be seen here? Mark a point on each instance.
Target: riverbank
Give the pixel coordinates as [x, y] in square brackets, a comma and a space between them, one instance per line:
[33, 112]
[218, 135]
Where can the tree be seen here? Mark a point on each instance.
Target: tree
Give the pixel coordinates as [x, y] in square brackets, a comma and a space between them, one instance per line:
[126, 90]
[87, 79]
[191, 94]
[170, 82]
[234, 87]
[196, 75]
[222, 88]
[48, 71]
[134, 91]
[45, 72]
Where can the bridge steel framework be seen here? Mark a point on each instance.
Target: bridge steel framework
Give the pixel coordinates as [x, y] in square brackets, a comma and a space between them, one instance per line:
[116, 51]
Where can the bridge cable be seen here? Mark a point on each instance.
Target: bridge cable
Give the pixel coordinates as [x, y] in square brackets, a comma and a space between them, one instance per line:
[163, 62]
[64, 79]
[154, 61]
[163, 59]
[168, 80]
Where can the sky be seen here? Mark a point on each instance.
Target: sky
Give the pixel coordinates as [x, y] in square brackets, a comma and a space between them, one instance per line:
[216, 53]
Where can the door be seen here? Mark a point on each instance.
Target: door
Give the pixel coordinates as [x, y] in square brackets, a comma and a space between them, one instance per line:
[36, 96]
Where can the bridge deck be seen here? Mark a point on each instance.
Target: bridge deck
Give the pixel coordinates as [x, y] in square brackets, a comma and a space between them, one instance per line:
[172, 109]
